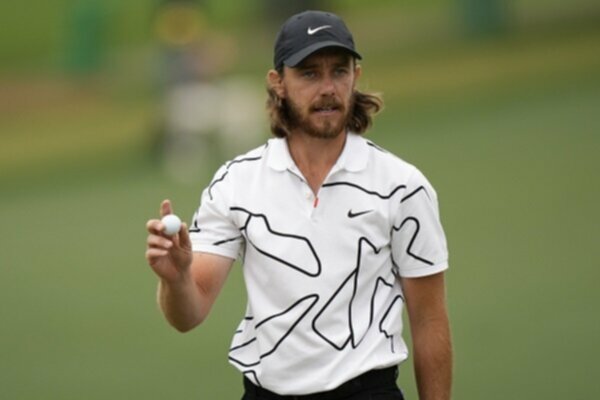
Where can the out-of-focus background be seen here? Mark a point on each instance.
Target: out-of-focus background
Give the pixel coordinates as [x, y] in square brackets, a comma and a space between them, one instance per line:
[107, 107]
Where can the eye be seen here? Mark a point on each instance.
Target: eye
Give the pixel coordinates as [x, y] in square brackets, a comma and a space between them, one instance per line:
[308, 73]
[341, 71]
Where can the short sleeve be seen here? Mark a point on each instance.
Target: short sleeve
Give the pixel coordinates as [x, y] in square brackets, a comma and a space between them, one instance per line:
[418, 241]
[212, 229]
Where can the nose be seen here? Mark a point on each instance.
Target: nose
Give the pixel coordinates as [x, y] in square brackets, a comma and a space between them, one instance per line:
[327, 86]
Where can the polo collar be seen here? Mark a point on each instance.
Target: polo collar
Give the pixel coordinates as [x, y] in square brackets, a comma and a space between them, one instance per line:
[354, 156]
[279, 157]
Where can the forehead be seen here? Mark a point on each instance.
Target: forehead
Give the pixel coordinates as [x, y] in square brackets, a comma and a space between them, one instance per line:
[328, 55]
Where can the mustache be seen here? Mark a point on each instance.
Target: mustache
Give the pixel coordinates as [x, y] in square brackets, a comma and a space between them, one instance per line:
[327, 103]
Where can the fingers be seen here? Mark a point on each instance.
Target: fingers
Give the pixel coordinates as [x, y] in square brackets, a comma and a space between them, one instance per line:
[184, 236]
[166, 208]
[158, 242]
[153, 254]
[181, 240]
[154, 226]
[156, 247]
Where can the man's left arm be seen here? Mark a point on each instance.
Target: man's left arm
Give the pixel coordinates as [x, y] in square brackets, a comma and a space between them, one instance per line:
[430, 329]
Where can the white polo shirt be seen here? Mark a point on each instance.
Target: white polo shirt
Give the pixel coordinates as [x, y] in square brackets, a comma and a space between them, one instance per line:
[324, 302]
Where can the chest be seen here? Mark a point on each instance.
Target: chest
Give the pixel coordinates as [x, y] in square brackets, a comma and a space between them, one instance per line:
[285, 209]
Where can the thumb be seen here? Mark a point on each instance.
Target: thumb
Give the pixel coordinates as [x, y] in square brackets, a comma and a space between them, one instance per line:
[166, 208]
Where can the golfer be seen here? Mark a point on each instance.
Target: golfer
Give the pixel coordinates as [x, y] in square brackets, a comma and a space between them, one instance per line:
[336, 237]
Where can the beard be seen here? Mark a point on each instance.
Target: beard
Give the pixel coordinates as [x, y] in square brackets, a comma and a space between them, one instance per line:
[329, 128]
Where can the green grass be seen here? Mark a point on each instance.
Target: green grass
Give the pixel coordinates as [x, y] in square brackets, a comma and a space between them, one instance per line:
[511, 152]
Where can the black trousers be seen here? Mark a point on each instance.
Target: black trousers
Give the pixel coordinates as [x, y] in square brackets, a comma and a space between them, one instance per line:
[379, 384]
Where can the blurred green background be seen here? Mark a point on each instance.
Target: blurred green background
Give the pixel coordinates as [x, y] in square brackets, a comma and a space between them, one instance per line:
[498, 102]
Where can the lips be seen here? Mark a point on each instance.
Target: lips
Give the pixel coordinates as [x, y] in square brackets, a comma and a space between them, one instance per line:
[326, 108]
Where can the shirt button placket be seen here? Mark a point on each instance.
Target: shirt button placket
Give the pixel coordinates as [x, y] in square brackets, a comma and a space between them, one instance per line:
[309, 202]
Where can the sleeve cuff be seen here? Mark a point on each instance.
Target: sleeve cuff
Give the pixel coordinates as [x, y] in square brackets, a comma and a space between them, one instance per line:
[218, 250]
[421, 272]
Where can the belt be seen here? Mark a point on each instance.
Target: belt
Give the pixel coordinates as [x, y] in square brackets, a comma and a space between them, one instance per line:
[369, 380]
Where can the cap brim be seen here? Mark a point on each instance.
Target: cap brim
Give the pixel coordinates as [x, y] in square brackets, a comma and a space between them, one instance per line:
[295, 59]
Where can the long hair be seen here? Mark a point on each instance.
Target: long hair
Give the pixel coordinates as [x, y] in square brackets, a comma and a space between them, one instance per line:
[364, 107]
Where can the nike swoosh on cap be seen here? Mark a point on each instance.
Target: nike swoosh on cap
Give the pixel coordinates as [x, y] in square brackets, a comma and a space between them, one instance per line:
[311, 31]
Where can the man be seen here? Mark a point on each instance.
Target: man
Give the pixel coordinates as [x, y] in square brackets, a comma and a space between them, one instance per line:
[336, 236]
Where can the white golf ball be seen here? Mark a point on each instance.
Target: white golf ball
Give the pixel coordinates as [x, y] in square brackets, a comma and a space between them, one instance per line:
[172, 224]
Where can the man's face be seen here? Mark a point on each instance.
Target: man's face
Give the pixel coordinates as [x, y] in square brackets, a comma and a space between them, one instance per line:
[319, 93]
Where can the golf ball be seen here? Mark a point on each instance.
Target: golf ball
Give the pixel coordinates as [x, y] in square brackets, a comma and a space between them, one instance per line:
[172, 224]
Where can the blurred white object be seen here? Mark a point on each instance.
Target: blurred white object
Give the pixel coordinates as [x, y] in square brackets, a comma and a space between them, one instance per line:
[209, 123]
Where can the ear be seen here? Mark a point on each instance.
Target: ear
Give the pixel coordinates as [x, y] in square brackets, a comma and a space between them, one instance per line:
[275, 82]
[357, 73]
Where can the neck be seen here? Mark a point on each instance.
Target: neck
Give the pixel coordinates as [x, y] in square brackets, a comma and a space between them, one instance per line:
[315, 156]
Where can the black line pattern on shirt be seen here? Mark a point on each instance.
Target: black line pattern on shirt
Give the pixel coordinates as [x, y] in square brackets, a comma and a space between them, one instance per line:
[311, 299]
[229, 164]
[386, 197]
[253, 373]
[242, 159]
[367, 191]
[384, 319]
[352, 279]
[411, 194]
[239, 346]
[220, 242]
[412, 240]
[215, 181]
[195, 228]
[376, 147]
[271, 252]
[379, 281]
[246, 318]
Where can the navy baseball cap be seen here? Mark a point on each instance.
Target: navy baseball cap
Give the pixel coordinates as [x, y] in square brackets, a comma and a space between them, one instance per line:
[303, 34]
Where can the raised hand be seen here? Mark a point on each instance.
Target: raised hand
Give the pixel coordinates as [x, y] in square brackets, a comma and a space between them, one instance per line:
[169, 256]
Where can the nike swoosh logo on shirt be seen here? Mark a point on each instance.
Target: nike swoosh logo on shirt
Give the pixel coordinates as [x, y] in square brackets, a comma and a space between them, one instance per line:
[313, 31]
[354, 215]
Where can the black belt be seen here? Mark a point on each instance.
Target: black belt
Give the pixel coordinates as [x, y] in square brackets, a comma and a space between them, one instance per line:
[368, 380]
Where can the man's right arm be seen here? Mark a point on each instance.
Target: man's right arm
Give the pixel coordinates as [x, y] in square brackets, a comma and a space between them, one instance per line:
[187, 302]
[188, 282]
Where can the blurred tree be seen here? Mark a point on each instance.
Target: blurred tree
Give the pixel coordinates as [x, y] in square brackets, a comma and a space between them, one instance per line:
[484, 17]
[86, 37]
[278, 11]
